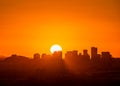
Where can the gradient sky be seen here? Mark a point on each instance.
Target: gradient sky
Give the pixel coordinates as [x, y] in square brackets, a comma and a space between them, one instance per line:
[30, 26]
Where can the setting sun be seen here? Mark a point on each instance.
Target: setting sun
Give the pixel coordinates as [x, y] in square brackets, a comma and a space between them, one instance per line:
[55, 47]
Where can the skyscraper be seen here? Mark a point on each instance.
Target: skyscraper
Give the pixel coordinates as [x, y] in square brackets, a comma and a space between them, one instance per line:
[106, 56]
[93, 53]
[85, 52]
[86, 56]
[36, 56]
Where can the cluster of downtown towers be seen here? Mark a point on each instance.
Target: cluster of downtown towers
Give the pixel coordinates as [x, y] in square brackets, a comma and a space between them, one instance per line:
[73, 59]
[81, 61]
[73, 69]
[105, 56]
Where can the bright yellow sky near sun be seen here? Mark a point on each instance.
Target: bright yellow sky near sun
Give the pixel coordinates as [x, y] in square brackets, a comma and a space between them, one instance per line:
[30, 26]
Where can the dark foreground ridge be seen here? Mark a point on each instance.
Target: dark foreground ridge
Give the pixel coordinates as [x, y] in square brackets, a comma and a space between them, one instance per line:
[51, 70]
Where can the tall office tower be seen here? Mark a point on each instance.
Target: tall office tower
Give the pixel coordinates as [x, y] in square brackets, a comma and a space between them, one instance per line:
[86, 56]
[93, 53]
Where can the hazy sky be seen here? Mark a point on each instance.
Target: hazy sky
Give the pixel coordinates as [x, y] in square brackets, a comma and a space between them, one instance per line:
[30, 26]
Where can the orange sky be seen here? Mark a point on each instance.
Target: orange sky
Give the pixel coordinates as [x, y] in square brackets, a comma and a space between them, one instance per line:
[30, 26]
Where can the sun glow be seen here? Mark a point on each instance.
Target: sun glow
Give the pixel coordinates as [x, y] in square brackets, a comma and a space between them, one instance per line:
[55, 48]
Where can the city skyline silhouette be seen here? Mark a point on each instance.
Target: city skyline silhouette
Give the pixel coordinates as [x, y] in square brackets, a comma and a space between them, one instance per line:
[63, 54]
[75, 69]
[59, 42]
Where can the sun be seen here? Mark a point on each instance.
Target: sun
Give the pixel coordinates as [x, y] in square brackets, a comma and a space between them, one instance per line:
[55, 48]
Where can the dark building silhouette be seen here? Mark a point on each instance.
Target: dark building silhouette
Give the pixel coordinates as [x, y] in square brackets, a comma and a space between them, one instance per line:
[43, 56]
[95, 57]
[98, 58]
[68, 54]
[86, 56]
[57, 55]
[106, 56]
[85, 52]
[71, 54]
[93, 53]
[36, 56]
[75, 53]
[106, 60]
[80, 54]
